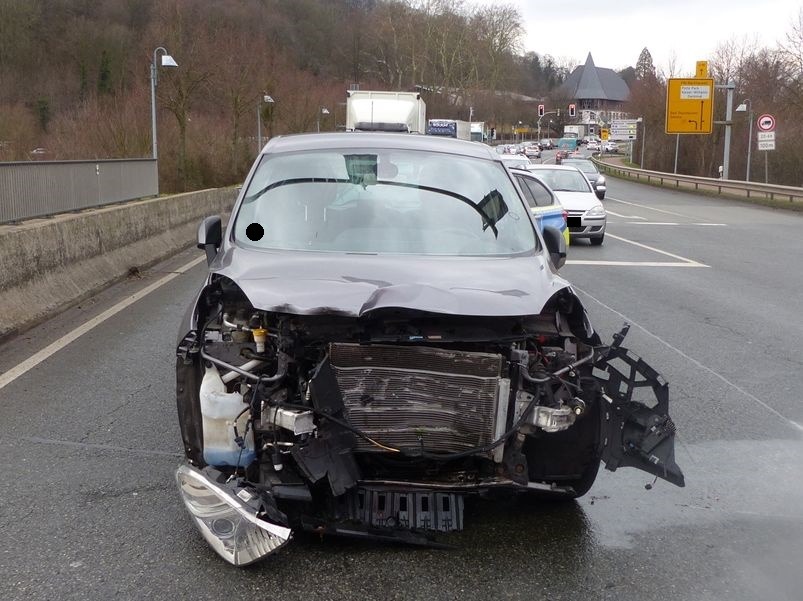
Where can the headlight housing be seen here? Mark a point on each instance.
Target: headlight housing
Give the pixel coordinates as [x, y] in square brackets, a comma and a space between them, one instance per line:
[597, 211]
[230, 517]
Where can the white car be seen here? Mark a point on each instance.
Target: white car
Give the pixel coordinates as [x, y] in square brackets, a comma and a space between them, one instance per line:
[610, 147]
[586, 215]
[593, 145]
[515, 160]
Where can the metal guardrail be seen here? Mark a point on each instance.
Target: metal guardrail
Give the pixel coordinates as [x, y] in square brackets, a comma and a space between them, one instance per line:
[41, 188]
[708, 184]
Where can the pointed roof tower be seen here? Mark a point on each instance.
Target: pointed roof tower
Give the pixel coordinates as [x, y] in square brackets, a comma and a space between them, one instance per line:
[591, 82]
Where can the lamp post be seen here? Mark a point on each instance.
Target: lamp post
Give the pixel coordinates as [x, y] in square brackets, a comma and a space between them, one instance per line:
[167, 61]
[266, 99]
[322, 110]
[748, 106]
[643, 122]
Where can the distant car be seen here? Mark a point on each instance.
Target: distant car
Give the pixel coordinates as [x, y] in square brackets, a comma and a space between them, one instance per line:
[515, 160]
[543, 203]
[609, 146]
[586, 215]
[560, 155]
[593, 145]
[590, 170]
[532, 151]
[547, 144]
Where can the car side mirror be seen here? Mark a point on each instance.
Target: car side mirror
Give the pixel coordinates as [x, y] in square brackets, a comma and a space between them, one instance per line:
[556, 246]
[600, 193]
[210, 237]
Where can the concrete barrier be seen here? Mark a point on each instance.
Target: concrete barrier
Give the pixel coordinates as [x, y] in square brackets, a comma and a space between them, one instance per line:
[46, 265]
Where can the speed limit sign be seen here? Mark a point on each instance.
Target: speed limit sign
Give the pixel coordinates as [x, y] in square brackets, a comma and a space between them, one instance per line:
[766, 123]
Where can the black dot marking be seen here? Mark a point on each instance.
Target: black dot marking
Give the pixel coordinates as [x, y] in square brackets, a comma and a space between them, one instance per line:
[254, 232]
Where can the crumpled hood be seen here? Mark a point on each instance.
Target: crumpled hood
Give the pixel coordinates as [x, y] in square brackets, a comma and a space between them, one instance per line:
[311, 283]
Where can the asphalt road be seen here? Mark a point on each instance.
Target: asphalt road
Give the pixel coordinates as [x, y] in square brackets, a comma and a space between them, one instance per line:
[714, 290]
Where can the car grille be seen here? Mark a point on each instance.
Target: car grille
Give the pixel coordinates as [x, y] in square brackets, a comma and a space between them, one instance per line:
[419, 397]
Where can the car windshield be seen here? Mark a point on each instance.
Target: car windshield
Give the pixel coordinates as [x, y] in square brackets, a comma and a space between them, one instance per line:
[563, 180]
[383, 201]
[583, 165]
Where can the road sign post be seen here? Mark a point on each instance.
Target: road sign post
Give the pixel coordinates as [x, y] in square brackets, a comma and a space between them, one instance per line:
[690, 106]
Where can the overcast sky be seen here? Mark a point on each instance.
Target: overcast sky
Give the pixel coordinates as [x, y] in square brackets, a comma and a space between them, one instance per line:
[615, 31]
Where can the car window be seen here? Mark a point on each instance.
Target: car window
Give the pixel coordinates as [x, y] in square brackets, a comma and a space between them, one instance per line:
[384, 201]
[563, 180]
[583, 165]
[528, 195]
[539, 192]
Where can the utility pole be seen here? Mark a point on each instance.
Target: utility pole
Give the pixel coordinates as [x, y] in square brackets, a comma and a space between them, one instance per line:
[730, 86]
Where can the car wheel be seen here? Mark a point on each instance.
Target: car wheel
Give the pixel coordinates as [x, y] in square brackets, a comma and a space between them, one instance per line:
[597, 241]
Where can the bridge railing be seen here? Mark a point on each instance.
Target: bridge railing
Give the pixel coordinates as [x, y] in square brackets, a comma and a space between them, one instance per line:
[41, 188]
[707, 184]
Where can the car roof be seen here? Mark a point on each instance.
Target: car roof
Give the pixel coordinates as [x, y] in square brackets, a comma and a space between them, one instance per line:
[537, 166]
[396, 141]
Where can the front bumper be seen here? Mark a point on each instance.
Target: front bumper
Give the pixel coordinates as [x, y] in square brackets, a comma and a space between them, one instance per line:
[589, 227]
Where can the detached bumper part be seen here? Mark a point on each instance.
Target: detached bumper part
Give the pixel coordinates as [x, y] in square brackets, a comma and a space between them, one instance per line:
[238, 522]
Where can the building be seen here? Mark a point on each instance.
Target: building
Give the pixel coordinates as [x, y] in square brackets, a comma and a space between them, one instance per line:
[600, 94]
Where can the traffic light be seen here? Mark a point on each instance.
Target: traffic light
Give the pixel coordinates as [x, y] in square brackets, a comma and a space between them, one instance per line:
[540, 110]
[572, 110]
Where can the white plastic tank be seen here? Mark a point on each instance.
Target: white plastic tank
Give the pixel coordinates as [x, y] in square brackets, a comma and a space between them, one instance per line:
[219, 410]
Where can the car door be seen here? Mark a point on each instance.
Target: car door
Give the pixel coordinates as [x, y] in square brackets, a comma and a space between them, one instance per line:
[543, 205]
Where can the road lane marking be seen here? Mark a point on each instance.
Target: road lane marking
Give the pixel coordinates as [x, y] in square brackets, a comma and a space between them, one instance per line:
[635, 204]
[668, 223]
[624, 216]
[653, 249]
[35, 359]
[634, 263]
[694, 361]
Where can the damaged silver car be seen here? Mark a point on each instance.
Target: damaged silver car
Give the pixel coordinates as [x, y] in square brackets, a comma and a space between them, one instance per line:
[383, 332]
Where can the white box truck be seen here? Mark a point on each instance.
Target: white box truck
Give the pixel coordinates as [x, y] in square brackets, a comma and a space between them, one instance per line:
[385, 111]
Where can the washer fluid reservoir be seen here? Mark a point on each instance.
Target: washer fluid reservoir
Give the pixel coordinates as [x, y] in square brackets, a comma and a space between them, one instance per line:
[219, 409]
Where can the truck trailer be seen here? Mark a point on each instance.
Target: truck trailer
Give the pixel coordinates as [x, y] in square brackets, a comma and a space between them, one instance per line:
[385, 111]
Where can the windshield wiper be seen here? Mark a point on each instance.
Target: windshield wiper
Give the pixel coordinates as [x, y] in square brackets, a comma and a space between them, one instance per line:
[290, 182]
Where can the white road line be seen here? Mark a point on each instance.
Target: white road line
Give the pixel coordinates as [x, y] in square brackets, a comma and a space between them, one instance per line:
[653, 249]
[694, 361]
[635, 204]
[671, 223]
[634, 263]
[35, 359]
[624, 216]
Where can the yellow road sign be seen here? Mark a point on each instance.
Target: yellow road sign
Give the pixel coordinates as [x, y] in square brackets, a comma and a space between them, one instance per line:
[690, 106]
[604, 132]
[702, 69]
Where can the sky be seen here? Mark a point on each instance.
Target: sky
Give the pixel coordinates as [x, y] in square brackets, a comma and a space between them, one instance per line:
[615, 31]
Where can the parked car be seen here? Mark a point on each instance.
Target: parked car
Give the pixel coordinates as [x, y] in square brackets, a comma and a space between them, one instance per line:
[590, 170]
[586, 215]
[383, 331]
[543, 203]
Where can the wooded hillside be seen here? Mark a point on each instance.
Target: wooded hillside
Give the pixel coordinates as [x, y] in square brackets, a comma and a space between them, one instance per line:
[74, 77]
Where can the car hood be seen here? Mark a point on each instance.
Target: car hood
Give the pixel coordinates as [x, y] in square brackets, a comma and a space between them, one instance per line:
[311, 283]
[577, 201]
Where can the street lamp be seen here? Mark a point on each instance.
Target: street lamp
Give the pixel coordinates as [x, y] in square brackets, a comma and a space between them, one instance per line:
[266, 99]
[748, 106]
[322, 110]
[167, 61]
